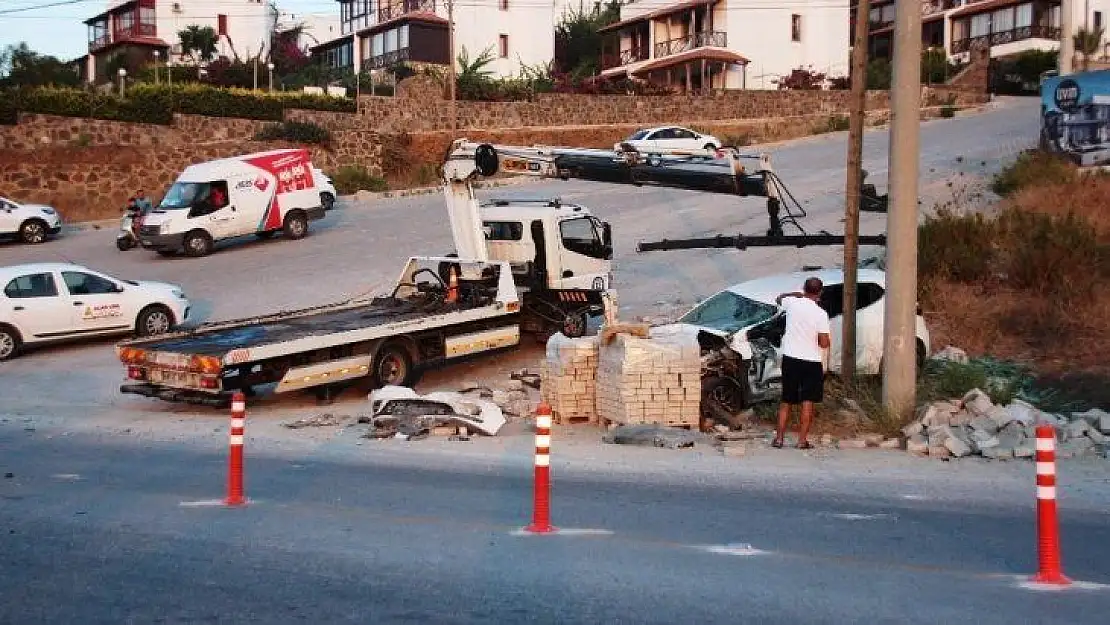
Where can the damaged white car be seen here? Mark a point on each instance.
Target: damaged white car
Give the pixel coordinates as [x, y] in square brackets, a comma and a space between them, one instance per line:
[740, 330]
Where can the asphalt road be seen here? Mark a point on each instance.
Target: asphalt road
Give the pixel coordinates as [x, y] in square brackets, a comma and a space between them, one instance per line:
[95, 533]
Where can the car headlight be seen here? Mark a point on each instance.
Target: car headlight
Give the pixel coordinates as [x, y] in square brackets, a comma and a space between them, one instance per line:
[46, 210]
[178, 293]
[164, 228]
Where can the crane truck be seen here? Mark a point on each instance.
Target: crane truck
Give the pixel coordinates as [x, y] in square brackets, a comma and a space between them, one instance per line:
[520, 266]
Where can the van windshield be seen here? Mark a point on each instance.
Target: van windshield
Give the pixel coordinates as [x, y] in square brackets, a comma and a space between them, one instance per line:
[184, 195]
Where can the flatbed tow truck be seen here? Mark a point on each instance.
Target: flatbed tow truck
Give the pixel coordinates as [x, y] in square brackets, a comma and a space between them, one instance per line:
[537, 266]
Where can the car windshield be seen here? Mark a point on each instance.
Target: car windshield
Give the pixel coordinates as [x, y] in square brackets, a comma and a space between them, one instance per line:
[639, 134]
[184, 195]
[728, 312]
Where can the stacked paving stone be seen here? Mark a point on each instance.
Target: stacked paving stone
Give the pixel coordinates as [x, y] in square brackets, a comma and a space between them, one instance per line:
[649, 380]
[568, 375]
[974, 425]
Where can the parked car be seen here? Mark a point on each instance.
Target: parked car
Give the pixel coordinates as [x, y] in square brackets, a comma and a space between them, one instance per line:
[745, 319]
[48, 302]
[30, 223]
[327, 188]
[671, 138]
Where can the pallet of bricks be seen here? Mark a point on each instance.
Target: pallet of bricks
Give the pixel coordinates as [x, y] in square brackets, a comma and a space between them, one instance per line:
[654, 380]
[568, 375]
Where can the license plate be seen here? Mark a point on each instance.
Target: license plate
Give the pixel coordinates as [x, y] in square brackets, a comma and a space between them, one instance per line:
[175, 378]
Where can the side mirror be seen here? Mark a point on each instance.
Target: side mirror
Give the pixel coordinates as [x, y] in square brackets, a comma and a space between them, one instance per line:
[607, 233]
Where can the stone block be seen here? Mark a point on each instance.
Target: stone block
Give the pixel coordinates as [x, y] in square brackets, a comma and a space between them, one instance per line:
[962, 417]
[1026, 449]
[981, 440]
[917, 444]
[977, 402]
[998, 452]
[1020, 411]
[1077, 428]
[983, 423]
[1097, 437]
[914, 427]
[957, 447]
[852, 443]
[891, 443]
[939, 451]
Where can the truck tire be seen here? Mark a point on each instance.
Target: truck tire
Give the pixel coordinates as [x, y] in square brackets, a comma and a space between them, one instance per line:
[198, 243]
[296, 225]
[33, 231]
[153, 320]
[575, 325]
[393, 367]
[327, 201]
[9, 342]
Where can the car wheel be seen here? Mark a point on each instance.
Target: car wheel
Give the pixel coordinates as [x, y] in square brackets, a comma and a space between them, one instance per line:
[709, 146]
[9, 342]
[722, 400]
[33, 231]
[154, 320]
[198, 243]
[296, 226]
[393, 367]
[327, 200]
[574, 325]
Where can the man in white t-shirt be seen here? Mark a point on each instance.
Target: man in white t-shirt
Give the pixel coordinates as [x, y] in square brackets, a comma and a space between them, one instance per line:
[803, 371]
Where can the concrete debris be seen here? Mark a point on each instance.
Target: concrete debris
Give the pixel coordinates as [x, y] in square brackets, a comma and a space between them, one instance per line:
[873, 440]
[319, 421]
[997, 432]
[650, 435]
[891, 443]
[528, 378]
[951, 354]
[400, 410]
[852, 443]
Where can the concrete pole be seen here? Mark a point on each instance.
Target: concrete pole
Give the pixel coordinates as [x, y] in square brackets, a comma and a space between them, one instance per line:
[899, 343]
[1067, 29]
[851, 197]
[451, 77]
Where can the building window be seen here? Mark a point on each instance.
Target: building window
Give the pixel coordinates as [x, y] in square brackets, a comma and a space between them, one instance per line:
[795, 27]
[1097, 21]
[504, 5]
[221, 25]
[503, 41]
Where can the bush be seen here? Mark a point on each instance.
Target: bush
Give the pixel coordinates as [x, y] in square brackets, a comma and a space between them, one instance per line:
[948, 111]
[352, 179]
[835, 123]
[1033, 167]
[801, 79]
[297, 132]
[1056, 256]
[141, 107]
[955, 247]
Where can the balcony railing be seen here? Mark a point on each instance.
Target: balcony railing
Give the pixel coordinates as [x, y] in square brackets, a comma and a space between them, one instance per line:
[127, 32]
[624, 57]
[1005, 36]
[714, 38]
[397, 8]
[388, 59]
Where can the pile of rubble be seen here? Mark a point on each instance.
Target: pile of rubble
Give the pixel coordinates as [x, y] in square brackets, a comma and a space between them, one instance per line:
[568, 373]
[649, 380]
[975, 425]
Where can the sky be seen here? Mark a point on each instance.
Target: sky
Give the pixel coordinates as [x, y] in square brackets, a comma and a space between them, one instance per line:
[59, 31]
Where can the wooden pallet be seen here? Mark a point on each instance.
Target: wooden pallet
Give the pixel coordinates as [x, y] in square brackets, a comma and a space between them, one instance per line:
[608, 424]
[561, 420]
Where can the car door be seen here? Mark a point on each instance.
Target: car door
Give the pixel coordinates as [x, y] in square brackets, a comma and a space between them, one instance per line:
[663, 139]
[96, 302]
[36, 306]
[685, 140]
[870, 317]
[213, 212]
[832, 301]
[9, 220]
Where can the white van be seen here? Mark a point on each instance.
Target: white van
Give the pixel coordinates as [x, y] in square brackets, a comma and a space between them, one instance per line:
[258, 194]
[30, 223]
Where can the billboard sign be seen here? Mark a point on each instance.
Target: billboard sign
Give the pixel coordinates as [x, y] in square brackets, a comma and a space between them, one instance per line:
[1075, 117]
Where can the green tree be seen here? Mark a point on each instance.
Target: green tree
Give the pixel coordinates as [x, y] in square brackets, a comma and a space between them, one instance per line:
[199, 42]
[1087, 42]
[577, 42]
[20, 66]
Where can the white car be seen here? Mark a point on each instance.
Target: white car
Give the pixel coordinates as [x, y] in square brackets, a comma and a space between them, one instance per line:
[30, 223]
[746, 318]
[327, 188]
[670, 138]
[48, 302]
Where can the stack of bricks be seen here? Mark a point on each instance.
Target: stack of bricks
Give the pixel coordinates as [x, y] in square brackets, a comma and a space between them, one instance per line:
[568, 374]
[650, 380]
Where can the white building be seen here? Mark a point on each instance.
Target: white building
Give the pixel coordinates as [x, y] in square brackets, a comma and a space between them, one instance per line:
[1005, 27]
[377, 34]
[145, 30]
[726, 44]
[316, 28]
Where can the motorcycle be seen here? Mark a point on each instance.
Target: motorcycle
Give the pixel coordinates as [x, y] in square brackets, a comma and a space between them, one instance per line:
[128, 236]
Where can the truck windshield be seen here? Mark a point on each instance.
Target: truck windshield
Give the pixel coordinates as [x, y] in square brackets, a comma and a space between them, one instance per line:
[184, 195]
[728, 312]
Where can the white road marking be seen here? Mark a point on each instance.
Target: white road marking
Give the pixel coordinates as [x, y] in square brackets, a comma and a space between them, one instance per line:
[733, 549]
[1025, 583]
[565, 531]
[850, 516]
[66, 476]
[209, 503]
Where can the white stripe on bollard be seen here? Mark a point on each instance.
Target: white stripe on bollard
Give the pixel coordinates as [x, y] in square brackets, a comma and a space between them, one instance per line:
[543, 460]
[1046, 444]
[236, 439]
[543, 421]
[543, 440]
[1046, 468]
[1046, 492]
[238, 422]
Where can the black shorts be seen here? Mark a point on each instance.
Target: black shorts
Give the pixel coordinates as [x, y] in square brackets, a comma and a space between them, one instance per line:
[802, 380]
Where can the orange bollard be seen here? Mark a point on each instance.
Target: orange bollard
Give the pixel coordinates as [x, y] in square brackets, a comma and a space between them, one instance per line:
[541, 498]
[235, 496]
[1049, 567]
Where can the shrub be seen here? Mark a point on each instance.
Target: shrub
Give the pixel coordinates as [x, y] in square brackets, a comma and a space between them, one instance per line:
[835, 123]
[297, 132]
[955, 247]
[948, 110]
[840, 83]
[1056, 256]
[352, 179]
[142, 107]
[1033, 167]
[801, 79]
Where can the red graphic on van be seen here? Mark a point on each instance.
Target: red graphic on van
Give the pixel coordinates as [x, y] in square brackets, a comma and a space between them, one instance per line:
[291, 170]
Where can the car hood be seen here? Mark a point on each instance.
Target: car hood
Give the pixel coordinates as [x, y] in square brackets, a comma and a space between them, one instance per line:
[684, 329]
[38, 207]
[155, 286]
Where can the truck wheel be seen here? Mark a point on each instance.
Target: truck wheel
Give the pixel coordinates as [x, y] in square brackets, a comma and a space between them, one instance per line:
[154, 320]
[393, 367]
[574, 325]
[327, 201]
[296, 226]
[9, 342]
[198, 243]
[33, 231]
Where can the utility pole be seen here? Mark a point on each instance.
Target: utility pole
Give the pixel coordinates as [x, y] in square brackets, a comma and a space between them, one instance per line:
[1067, 30]
[451, 79]
[899, 341]
[255, 72]
[851, 197]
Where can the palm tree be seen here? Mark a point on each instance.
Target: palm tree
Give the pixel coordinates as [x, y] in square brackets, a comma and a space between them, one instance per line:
[1087, 42]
